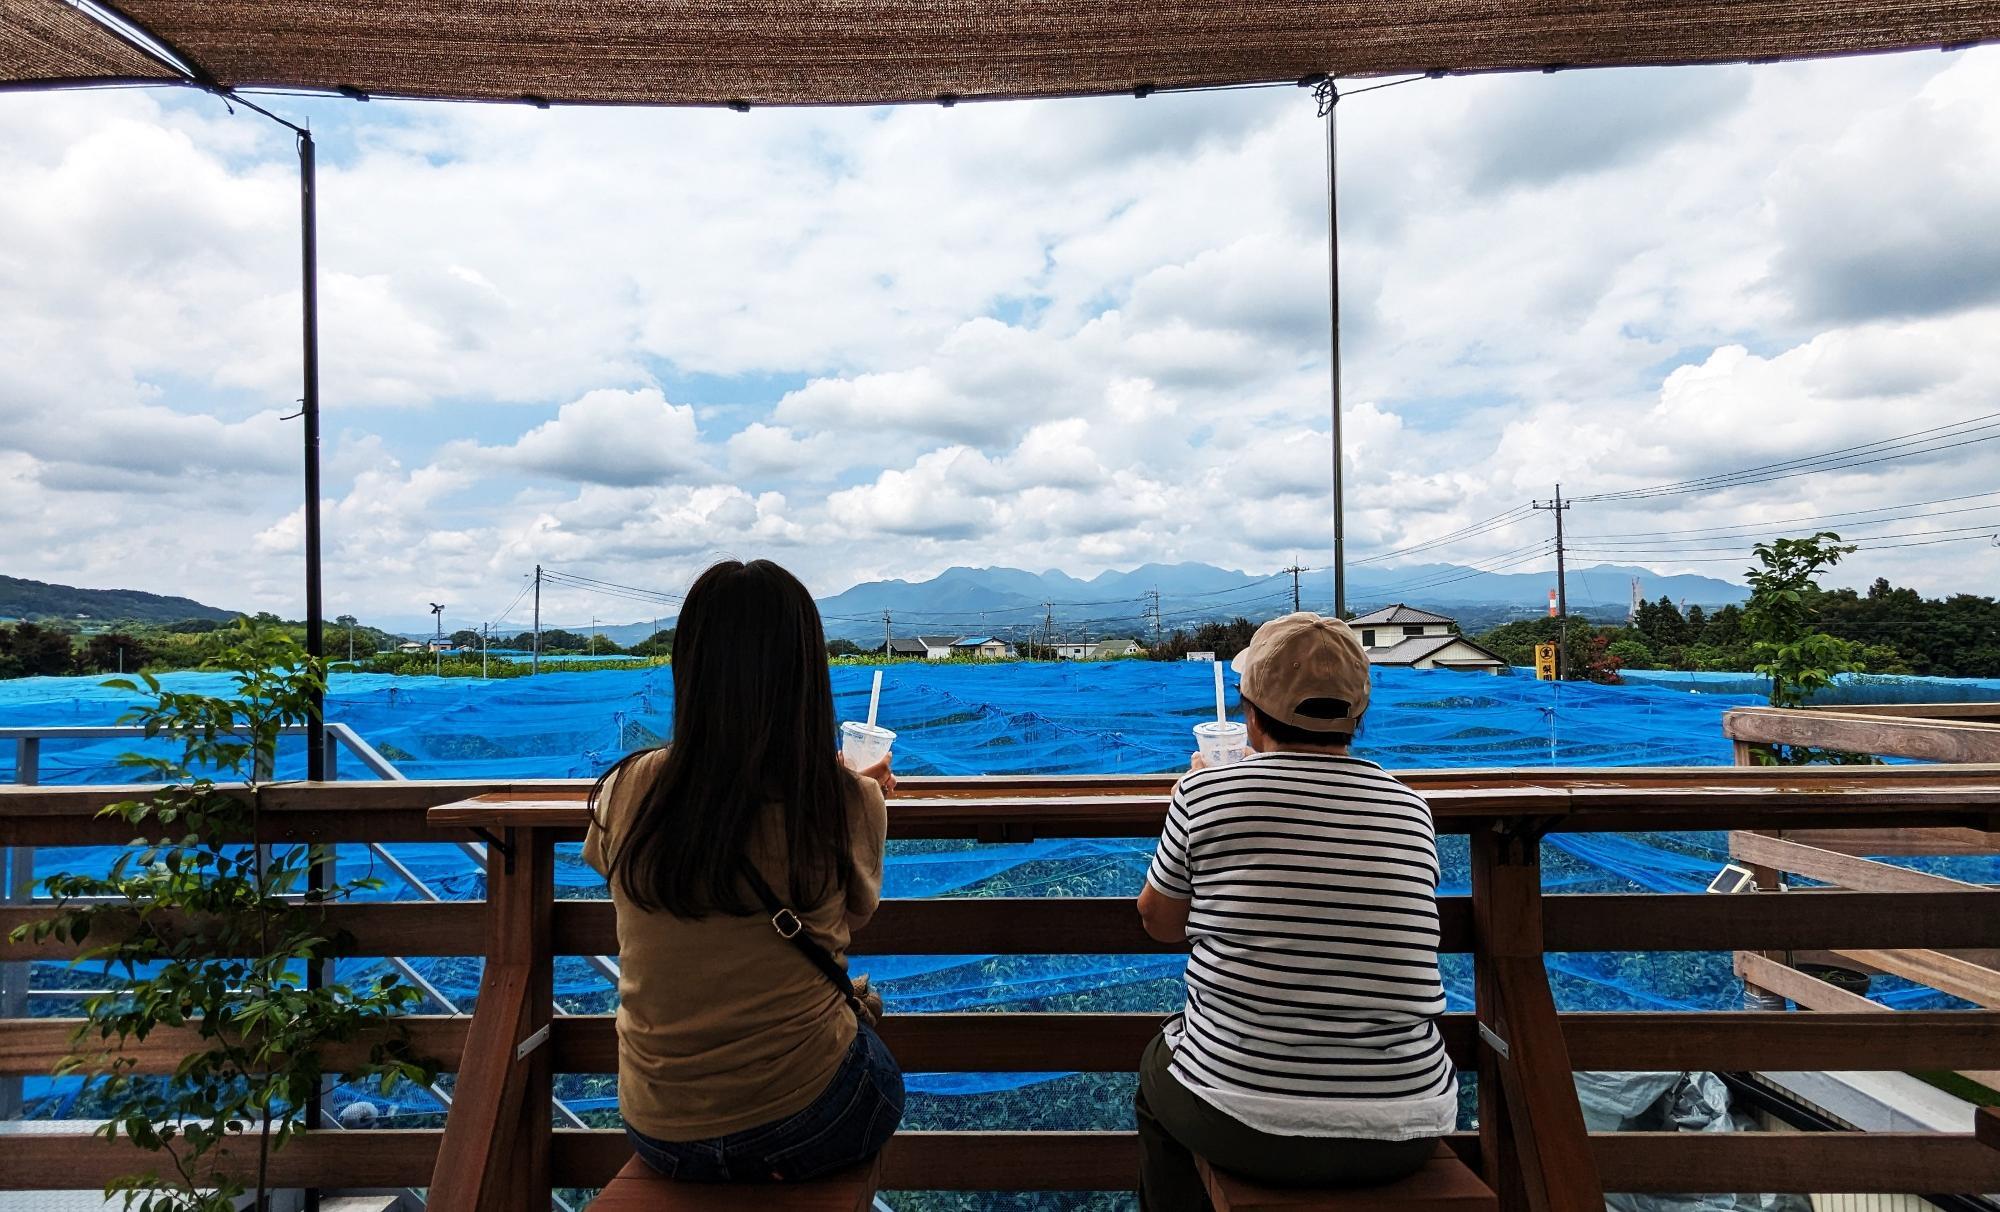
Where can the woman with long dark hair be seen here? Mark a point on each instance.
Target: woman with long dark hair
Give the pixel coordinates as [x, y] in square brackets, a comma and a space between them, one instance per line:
[741, 857]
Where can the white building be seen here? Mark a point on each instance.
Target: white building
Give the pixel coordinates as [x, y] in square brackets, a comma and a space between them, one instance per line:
[982, 647]
[1404, 636]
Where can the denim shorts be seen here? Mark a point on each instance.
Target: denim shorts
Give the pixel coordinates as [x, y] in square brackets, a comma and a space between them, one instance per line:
[847, 1124]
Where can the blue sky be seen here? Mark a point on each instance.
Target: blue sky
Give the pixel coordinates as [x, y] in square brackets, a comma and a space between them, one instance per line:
[1078, 334]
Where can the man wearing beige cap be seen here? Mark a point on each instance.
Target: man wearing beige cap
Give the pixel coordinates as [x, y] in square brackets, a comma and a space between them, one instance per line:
[1305, 880]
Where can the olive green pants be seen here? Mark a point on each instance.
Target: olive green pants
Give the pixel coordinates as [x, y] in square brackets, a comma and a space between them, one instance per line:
[1175, 1124]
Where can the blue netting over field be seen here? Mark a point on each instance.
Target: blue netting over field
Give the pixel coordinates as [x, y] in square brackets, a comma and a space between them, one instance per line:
[1127, 716]
[1086, 717]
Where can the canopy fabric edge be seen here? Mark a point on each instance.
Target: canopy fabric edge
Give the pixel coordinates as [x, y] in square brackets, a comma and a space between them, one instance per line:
[866, 52]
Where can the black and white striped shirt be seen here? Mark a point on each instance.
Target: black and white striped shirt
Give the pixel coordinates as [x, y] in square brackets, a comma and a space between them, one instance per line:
[1313, 989]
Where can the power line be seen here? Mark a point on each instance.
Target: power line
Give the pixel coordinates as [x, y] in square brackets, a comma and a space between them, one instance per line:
[1832, 518]
[1985, 528]
[1744, 554]
[1902, 446]
[1471, 531]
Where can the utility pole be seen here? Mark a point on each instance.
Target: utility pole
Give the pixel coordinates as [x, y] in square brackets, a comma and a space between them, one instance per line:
[1048, 625]
[590, 645]
[1558, 507]
[535, 653]
[888, 637]
[1295, 570]
[437, 645]
[485, 646]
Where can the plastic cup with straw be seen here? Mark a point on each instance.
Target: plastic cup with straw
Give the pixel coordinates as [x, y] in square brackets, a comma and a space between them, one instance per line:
[863, 745]
[1221, 741]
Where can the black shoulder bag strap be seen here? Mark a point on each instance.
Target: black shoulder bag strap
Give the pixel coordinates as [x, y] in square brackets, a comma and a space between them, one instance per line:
[792, 929]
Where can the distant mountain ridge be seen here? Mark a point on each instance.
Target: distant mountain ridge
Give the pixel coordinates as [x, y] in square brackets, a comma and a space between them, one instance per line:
[962, 601]
[965, 601]
[24, 599]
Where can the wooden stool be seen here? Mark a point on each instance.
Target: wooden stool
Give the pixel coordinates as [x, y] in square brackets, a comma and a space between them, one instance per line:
[1445, 1184]
[638, 1188]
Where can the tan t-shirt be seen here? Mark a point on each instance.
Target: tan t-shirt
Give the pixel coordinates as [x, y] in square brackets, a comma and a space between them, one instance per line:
[724, 1026]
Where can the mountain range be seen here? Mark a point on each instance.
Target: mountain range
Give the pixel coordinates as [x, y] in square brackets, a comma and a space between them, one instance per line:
[25, 599]
[964, 601]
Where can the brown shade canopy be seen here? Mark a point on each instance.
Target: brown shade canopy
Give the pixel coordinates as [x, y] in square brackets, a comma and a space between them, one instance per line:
[49, 42]
[804, 52]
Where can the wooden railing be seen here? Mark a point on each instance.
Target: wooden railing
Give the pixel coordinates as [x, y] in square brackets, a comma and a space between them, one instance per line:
[1952, 732]
[499, 1152]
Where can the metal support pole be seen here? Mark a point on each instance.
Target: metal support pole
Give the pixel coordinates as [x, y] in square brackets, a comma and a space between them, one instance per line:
[317, 766]
[309, 405]
[1329, 103]
[535, 656]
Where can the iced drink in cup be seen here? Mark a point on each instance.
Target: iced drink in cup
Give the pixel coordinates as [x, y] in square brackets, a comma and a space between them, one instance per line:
[863, 745]
[1222, 742]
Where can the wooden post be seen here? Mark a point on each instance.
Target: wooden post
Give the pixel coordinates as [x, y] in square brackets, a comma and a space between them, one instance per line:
[1533, 1143]
[495, 1153]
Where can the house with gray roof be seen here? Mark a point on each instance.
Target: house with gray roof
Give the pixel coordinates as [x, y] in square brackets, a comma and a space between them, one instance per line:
[1403, 636]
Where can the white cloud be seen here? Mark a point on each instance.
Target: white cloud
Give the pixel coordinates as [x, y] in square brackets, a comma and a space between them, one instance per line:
[623, 438]
[1077, 334]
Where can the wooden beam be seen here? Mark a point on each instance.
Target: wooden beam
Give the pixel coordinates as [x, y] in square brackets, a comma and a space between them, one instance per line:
[1763, 922]
[1834, 1003]
[1862, 1035]
[1945, 973]
[495, 1155]
[480, 1133]
[1960, 712]
[1109, 925]
[1641, 799]
[1845, 870]
[1537, 1154]
[1898, 842]
[1986, 1126]
[1826, 1162]
[1859, 732]
[407, 928]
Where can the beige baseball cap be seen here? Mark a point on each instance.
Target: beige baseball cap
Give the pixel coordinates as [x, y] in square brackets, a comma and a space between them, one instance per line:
[1308, 671]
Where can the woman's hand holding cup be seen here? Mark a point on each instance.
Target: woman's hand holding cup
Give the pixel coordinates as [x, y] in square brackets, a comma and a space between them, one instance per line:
[881, 774]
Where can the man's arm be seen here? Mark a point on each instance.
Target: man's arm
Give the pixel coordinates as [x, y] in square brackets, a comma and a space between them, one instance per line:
[1165, 917]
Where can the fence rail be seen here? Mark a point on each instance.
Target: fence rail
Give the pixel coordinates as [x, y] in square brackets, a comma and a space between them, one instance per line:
[498, 1150]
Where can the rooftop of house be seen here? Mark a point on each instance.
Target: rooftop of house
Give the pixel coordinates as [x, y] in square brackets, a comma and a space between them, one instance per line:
[1397, 613]
[1417, 647]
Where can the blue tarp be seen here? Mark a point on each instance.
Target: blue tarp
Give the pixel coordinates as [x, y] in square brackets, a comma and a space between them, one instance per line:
[1123, 716]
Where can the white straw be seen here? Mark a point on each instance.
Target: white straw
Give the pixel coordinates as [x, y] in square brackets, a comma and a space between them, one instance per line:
[1221, 717]
[875, 698]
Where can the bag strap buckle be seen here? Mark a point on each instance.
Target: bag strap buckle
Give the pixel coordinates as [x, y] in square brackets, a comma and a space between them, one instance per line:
[786, 923]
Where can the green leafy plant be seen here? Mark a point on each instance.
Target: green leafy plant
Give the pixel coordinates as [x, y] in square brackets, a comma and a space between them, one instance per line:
[1791, 650]
[201, 928]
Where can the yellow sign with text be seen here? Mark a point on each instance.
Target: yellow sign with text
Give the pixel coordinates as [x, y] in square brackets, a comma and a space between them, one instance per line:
[1545, 662]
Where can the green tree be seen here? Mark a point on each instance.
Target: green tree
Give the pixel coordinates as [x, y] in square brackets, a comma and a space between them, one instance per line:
[1661, 623]
[1630, 654]
[112, 652]
[199, 930]
[658, 644]
[465, 639]
[30, 650]
[839, 647]
[1780, 621]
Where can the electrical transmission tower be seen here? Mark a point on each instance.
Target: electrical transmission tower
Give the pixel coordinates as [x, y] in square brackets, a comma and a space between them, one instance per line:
[1152, 614]
[1559, 507]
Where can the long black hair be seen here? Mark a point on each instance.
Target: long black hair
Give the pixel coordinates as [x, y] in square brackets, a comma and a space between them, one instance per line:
[753, 726]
